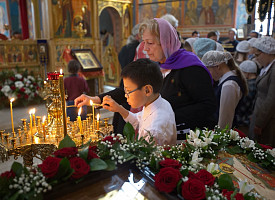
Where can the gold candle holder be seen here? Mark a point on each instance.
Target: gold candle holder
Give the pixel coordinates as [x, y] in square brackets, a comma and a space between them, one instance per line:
[63, 105]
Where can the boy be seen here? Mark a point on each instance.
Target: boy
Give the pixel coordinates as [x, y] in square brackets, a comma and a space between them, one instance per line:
[142, 82]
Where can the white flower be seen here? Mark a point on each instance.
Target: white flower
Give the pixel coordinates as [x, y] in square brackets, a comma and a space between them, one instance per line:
[31, 78]
[18, 76]
[212, 167]
[271, 152]
[245, 187]
[6, 89]
[193, 135]
[195, 158]
[247, 143]
[19, 84]
[234, 135]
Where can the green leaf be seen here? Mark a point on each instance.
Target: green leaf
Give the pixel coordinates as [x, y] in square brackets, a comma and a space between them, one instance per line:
[66, 142]
[14, 196]
[97, 164]
[234, 150]
[225, 182]
[251, 157]
[111, 165]
[64, 170]
[179, 186]
[17, 168]
[129, 132]
[83, 153]
[184, 172]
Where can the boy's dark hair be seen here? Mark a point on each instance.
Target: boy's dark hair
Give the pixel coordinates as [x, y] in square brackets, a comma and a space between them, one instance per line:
[144, 72]
[73, 66]
[211, 34]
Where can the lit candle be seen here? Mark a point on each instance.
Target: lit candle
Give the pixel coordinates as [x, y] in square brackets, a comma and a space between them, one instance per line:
[33, 117]
[43, 127]
[79, 121]
[92, 104]
[30, 112]
[12, 125]
[97, 121]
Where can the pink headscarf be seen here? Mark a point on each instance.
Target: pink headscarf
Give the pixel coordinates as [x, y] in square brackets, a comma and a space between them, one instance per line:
[169, 38]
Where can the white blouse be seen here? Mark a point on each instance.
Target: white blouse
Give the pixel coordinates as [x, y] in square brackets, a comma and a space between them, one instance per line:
[231, 94]
[157, 118]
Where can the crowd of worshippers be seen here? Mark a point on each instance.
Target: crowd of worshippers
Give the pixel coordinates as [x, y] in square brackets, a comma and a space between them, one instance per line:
[201, 85]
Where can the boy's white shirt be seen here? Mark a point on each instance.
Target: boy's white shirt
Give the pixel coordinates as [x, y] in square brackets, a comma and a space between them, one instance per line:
[157, 118]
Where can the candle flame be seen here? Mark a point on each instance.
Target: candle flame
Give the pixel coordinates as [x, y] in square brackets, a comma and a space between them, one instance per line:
[33, 111]
[43, 119]
[79, 111]
[91, 102]
[36, 140]
[12, 99]
[30, 112]
[97, 117]
[61, 71]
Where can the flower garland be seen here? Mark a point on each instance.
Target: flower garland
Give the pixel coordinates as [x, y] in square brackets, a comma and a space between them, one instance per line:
[19, 84]
[183, 170]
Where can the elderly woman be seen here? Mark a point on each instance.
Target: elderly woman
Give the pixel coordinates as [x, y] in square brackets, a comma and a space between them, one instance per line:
[232, 86]
[263, 119]
[187, 82]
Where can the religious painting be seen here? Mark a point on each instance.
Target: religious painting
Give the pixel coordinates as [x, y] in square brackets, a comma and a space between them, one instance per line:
[149, 9]
[208, 12]
[126, 23]
[14, 54]
[110, 63]
[2, 55]
[87, 59]
[30, 53]
[69, 15]
[3, 17]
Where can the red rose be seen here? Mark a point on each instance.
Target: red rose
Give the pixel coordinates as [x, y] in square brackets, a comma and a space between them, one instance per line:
[12, 78]
[80, 167]
[167, 179]
[170, 163]
[193, 189]
[50, 166]
[228, 194]
[22, 89]
[167, 148]
[206, 177]
[13, 87]
[92, 153]
[26, 96]
[265, 147]
[8, 174]
[111, 139]
[66, 152]
[18, 96]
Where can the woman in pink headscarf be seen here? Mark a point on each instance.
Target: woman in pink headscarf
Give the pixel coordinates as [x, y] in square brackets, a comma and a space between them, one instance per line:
[187, 82]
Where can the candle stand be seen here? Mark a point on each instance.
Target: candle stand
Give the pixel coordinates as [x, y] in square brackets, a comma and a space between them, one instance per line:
[41, 139]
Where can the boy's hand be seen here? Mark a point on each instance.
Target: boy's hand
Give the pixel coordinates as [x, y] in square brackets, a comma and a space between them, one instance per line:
[84, 99]
[110, 104]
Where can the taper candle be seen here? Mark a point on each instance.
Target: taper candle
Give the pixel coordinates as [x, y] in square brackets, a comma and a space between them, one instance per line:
[30, 112]
[93, 107]
[12, 125]
[79, 121]
[43, 127]
[97, 121]
[33, 118]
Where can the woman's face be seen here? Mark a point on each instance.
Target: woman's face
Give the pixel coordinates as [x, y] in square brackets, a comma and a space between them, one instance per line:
[153, 47]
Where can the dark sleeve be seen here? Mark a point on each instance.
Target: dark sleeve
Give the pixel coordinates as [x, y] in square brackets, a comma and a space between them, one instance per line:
[196, 83]
[86, 87]
[117, 94]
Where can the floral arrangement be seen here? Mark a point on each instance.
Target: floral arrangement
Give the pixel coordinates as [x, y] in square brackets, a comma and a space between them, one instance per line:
[185, 170]
[19, 84]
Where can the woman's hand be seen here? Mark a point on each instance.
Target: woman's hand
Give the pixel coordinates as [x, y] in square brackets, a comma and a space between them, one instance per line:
[85, 100]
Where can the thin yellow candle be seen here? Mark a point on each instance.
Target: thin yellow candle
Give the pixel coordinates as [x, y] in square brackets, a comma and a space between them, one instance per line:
[79, 121]
[93, 107]
[12, 125]
[43, 127]
[30, 112]
[63, 102]
[33, 117]
[97, 121]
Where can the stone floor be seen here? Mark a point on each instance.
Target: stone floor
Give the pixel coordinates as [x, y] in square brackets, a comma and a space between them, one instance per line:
[23, 112]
